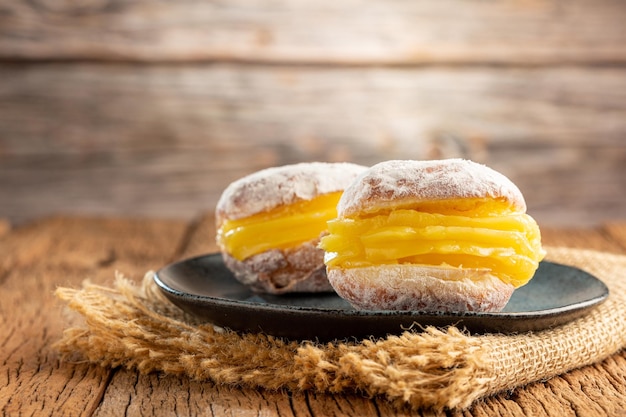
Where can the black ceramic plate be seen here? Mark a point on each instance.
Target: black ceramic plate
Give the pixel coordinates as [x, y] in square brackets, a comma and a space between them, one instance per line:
[204, 287]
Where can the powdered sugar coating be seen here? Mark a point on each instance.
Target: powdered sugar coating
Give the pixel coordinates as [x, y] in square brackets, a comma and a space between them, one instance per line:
[420, 288]
[300, 269]
[273, 187]
[397, 183]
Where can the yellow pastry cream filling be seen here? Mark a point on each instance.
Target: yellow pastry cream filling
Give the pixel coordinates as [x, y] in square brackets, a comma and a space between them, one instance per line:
[281, 228]
[468, 233]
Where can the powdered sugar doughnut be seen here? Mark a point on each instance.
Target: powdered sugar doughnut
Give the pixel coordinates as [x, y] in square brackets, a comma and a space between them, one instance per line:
[264, 202]
[448, 235]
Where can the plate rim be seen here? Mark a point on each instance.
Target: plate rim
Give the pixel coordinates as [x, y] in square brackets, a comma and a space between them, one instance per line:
[269, 307]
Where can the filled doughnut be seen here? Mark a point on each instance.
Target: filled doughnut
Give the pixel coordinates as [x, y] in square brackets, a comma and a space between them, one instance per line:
[269, 224]
[447, 235]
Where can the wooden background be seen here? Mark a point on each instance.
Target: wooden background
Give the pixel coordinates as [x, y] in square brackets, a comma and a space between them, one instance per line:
[150, 108]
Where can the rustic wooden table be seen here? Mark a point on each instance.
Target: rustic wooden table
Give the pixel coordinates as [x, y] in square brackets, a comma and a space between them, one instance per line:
[63, 251]
[149, 109]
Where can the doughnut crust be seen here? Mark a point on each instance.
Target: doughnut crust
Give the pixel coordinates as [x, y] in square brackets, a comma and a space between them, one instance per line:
[270, 188]
[397, 184]
[282, 271]
[408, 284]
[295, 269]
[420, 288]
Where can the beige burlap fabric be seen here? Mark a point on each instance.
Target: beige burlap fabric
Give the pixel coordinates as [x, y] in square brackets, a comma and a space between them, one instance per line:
[135, 327]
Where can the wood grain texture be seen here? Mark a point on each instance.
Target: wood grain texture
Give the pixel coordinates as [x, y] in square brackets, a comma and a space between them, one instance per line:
[64, 250]
[166, 140]
[150, 108]
[145, 107]
[355, 32]
[616, 232]
[35, 260]
[599, 239]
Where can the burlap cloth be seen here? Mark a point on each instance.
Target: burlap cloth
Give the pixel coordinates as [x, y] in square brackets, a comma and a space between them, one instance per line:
[136, 327]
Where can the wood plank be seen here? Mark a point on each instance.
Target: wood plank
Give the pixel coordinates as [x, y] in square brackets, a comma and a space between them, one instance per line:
[355, 32]
[201, 237]
[152, 395]
[5, 227]
[36, 259]
[581, 238]
[597, 390]
[166, 140]
[616, 231]
[82, 108]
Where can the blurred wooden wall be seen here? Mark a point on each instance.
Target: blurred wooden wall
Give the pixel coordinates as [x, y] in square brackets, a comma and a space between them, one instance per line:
[147, 107]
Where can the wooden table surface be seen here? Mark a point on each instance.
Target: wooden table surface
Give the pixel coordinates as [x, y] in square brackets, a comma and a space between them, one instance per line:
[39, 256]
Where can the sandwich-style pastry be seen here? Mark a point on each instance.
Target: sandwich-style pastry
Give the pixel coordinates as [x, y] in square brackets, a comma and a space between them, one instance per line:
[269, 224]
[448, 235]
